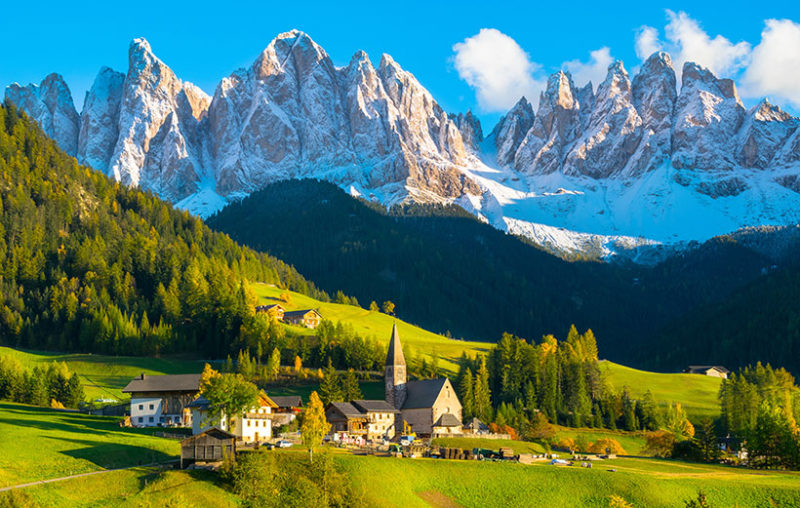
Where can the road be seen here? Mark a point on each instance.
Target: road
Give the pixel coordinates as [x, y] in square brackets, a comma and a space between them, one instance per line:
[51, 480]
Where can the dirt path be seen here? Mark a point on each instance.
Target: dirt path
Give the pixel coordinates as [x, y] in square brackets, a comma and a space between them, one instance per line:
[437, 499]
[51, 480]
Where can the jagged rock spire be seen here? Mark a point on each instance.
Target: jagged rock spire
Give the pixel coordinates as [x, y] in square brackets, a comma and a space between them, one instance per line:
[395, 356]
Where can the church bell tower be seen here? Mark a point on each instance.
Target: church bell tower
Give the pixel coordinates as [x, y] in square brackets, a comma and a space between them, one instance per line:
[395, 373]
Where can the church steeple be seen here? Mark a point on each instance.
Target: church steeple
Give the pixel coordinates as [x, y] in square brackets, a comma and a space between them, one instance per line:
[395, 373]
[395, 355]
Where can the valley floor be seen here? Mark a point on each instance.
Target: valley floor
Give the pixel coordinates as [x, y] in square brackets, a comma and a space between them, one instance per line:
[43, 443]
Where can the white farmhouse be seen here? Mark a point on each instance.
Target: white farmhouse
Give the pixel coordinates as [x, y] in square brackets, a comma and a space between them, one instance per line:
[162, 400]
[255, 426]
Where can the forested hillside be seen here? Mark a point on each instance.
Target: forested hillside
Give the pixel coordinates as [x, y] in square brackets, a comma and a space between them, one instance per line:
[91, 265]
[759, 322]
[446, 271]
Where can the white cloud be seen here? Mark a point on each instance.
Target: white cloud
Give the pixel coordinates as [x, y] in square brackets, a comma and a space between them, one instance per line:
[498, 69]
[595, 70]
[686, 41]
[647, 42]
[774, 69]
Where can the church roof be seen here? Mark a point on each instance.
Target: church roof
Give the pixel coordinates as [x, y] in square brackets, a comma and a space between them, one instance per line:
[423, 393]
[447, 420]
[395, 354]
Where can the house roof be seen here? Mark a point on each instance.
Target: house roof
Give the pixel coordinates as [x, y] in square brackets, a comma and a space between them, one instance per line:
[287, 401]
[447, 420]
[299, 313]
[375, 406]
[166, 383]
[395, 354]
[199, 403]
[702, 368]
[265, 400]
[269, 307]
[213, 432]
[476, 424]
[347, 409]
[423, 393]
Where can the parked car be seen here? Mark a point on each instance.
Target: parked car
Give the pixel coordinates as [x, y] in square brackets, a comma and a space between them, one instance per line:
[283, 443]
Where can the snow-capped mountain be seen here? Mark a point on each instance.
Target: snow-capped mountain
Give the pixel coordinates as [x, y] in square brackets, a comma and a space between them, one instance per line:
[627, 164]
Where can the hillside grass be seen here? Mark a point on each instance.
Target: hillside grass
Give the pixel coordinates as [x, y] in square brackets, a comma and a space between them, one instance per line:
[378, 325]
[41, 443]
[489, 444]
[697, 394]
[392, 482]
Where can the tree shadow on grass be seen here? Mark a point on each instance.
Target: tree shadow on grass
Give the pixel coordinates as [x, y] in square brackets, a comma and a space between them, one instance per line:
[113, 455]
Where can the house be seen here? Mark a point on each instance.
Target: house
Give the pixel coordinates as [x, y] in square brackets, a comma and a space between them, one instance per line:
[288, 408]
[476, 426]
[309, 318]
[209, 447]
[429, 406]
[372, 419]
[162, 400]
[255, 426]
[274, 310]
[708, 370]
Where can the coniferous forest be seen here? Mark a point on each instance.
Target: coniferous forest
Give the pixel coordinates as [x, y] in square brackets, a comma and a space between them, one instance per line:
[448, 272]
[87, 264]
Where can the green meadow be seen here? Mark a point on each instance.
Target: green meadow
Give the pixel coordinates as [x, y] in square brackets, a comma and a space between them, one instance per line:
[42, 443]
[377, 325]
[698, 394]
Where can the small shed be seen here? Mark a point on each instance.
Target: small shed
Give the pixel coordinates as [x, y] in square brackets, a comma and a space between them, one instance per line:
[209, 446]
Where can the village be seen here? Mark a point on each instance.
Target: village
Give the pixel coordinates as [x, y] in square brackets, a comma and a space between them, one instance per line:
[404, 424]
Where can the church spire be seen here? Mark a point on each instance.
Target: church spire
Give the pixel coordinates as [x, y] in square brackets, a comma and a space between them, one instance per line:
[395, 372]
[395, 355]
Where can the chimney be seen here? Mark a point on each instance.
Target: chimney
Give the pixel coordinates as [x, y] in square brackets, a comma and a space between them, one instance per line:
[142, 376]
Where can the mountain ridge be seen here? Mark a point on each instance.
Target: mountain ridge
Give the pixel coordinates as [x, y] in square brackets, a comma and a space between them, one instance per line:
[629, 164]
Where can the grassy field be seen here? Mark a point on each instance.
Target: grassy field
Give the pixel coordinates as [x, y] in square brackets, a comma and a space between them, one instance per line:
[697, 394]
[41, 443]
[389, 482]
[378, 325]
[106, 376]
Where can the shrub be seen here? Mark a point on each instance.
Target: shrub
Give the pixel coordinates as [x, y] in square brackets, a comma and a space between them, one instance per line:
[607, 445]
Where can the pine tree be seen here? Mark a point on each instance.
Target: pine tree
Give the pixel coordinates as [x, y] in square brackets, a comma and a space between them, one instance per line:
[329, 390]
[350, 387]
[467, 395]
[483, 395]
[274, 364]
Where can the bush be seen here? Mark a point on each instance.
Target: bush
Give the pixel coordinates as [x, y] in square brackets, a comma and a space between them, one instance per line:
[659, 443]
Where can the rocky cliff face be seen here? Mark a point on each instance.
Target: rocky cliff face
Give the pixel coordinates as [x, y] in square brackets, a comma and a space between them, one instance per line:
[50, 103]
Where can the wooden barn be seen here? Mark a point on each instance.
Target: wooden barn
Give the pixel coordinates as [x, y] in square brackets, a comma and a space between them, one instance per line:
[208, 447]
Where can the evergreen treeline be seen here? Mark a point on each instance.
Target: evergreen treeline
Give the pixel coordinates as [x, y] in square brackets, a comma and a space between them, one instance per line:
[560, 380]
[52, 385]
[446, 271]
[760, 320]
[761, 406]
[88, 264]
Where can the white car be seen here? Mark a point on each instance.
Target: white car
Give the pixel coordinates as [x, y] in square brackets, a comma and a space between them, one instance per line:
[283, 443]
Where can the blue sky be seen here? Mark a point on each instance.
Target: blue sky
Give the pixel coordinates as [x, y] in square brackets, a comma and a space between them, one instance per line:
[204, 41]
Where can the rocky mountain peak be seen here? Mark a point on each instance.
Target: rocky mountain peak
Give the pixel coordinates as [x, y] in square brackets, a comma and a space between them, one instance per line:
[511, 129]
[50, 103]
[470, 127]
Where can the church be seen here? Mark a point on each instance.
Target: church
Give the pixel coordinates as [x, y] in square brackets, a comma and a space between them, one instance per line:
[426, 407]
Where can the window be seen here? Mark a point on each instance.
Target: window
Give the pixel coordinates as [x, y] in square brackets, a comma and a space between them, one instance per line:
[141, 407]
[151, 406]
[141, 419]
[161, 419]
[150, 419]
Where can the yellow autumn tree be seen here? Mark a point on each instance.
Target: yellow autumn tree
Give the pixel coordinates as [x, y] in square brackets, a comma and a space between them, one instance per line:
[315, 425]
